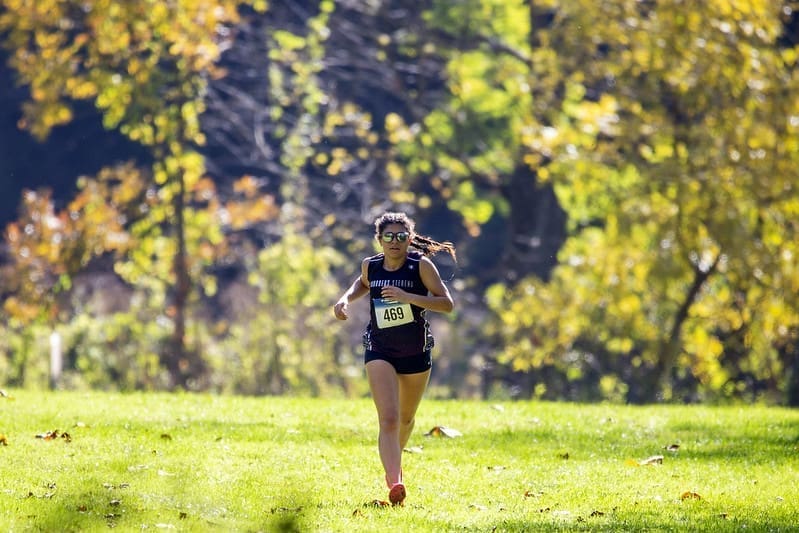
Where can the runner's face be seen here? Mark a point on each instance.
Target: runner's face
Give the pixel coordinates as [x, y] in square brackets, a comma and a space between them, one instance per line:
[395, 248]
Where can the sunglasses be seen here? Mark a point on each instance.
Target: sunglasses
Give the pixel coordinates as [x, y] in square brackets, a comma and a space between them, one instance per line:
[401, 236]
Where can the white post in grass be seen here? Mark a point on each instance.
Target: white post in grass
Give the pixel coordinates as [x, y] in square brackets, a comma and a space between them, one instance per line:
[56, 359]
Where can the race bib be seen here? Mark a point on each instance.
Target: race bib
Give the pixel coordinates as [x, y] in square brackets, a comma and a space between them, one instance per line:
[390, 313]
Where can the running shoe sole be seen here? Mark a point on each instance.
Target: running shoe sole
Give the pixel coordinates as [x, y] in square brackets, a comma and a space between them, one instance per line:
[397, 494]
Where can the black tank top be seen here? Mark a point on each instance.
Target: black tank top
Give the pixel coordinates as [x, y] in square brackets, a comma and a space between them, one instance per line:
[396, 330]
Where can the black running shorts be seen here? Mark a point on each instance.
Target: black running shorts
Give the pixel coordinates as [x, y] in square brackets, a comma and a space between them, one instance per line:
[412, 364]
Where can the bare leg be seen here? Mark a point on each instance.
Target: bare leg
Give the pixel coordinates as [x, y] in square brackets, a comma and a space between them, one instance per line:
[384, 385]
[396, 398]
[411, 390]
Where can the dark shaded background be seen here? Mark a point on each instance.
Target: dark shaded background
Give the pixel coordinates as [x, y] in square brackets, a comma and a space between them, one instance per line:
[82, 147]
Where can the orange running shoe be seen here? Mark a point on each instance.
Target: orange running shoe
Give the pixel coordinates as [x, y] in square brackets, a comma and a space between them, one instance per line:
[397, 494]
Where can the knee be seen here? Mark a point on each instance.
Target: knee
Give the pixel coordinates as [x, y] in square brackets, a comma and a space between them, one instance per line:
[408, 422]
[389, 422]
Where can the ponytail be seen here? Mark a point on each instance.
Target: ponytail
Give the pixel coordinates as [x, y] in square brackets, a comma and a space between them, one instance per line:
[426, 245]
[429, 247]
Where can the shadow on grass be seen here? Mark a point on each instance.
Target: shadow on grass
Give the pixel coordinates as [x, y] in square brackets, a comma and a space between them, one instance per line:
[93, 510]
[293, 515]
[291, 523]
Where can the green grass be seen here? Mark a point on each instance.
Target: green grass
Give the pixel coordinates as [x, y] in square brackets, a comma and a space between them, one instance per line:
[209, 463]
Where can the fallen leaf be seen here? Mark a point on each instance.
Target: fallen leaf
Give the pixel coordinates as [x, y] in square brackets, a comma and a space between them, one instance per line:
[48, 435]
[53, 435]
[654, 460]
[3, 440]
[166, 436]
[690, 496]
[443, 431]
[377, 503]
[413, 449]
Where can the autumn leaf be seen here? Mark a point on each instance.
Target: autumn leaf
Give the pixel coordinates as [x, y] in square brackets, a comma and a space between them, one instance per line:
[377, 503]
[53, 435]
[443, 431]
[649, 461]
[413, 449]
[48, 435]
[690, 496]
[3, 440]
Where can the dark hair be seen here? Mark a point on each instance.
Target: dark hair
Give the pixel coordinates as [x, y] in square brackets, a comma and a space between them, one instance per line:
[426, 245]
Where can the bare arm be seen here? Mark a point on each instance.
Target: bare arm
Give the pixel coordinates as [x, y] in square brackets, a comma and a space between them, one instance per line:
[438, 299]
[358, 288]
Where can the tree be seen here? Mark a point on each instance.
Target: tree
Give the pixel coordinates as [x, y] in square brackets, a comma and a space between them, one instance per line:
[146, 66]
[681, 198]
[305, 104]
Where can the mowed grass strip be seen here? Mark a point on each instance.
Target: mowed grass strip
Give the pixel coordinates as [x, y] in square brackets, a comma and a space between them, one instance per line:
[73, 461]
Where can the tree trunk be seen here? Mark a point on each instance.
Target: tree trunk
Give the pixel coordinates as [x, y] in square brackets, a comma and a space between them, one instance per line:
[792, 368]
[653, 386]
[536, 227]
[177, 362]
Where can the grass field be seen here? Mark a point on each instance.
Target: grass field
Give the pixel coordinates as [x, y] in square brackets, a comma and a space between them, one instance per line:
[96, 461]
